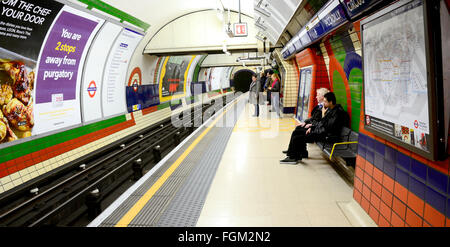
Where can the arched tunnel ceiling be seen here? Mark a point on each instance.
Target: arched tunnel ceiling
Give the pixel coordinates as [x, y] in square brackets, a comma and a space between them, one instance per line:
[277, 28]
[158, 13]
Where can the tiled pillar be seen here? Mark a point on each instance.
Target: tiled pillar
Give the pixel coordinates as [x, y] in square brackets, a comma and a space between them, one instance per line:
[289, 83]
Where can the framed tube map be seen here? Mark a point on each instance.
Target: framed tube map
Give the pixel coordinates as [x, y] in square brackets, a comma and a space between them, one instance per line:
[398, 92]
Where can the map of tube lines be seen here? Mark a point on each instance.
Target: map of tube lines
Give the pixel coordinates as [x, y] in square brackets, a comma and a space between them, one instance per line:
[395, 71]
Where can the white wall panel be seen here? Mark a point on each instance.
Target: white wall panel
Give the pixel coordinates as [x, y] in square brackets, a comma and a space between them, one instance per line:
[96, 60]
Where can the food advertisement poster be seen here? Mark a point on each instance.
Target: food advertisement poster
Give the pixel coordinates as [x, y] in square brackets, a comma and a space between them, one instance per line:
[59, 70]
[23, 27]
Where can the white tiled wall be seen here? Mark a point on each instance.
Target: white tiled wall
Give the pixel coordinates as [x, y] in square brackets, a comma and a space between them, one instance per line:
[290, 82]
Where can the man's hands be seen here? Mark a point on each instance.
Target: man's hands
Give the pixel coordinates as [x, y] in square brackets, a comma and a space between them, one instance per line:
[304, 125]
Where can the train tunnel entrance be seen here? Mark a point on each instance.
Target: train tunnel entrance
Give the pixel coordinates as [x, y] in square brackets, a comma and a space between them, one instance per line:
[242, 80]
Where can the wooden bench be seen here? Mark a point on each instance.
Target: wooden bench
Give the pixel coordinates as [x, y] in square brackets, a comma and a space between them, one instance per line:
[345, 146]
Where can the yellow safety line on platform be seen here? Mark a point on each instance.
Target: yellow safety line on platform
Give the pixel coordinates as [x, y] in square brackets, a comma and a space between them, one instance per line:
[129, 216]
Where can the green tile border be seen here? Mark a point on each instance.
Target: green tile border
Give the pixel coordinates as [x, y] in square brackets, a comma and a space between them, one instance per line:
[22, 149]
[163, 105]
[102, 6]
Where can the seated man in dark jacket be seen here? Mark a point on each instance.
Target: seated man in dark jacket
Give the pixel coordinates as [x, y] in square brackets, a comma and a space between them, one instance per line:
[330, 125]
[316, 116]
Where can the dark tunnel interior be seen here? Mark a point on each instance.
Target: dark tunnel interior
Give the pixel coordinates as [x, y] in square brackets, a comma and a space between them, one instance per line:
[242, 80]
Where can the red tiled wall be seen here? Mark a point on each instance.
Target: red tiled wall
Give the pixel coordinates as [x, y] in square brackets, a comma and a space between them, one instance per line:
[310, 57]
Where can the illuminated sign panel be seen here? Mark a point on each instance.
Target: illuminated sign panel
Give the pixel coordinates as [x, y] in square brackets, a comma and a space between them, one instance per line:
[240, 29]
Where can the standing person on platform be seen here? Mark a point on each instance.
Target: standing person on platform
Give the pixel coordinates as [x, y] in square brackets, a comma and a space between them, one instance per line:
[316, 115]
[255, 88]
[262, 80]
[275, 93]
[330, 125]
[268, 84]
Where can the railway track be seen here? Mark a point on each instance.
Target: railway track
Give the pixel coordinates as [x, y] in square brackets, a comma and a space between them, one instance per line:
[76, 193]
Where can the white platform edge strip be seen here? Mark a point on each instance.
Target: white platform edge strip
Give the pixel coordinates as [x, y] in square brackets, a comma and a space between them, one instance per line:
[111, 208]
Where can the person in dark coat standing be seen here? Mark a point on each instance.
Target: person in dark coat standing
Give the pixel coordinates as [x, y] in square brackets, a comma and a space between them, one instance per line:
[262, 80]
[268, 84]
[330, 125]
[254, 90]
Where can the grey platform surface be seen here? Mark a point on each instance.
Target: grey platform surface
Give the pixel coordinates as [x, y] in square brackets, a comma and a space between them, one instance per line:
[179, 201]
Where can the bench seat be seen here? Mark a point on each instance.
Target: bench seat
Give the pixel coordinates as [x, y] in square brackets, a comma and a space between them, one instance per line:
[345, 146]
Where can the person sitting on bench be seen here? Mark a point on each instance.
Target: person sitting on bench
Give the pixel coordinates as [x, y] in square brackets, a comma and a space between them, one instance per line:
[330, 125]
[316, 114]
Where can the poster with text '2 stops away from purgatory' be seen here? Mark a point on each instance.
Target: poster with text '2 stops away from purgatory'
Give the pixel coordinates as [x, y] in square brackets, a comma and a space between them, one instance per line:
[60, 64]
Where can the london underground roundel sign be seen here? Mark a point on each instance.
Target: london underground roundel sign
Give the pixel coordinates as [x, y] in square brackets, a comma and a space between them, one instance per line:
[135, 79]
[92, 89]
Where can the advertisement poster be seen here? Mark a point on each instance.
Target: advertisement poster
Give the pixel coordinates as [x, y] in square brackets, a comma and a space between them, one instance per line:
[395, 76]
[215, 77]
[60, 65]
[23, 27]
[303, 93]
[225, 77]
[208, 78]
[115, 75]
[91, 89]
[174, 74]
[191, 72]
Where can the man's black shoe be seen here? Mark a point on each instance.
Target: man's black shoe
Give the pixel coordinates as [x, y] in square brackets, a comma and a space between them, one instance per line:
[305, 154]
[289, 161]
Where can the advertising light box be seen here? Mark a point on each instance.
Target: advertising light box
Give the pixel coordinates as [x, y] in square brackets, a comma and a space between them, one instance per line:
[304, 90]
[173, 77]
[23, 27]
[91, 89]
[115, 74]
[60, 67]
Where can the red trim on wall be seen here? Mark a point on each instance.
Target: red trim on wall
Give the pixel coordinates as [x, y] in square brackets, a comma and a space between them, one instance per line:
[28, 160]
[149, 110]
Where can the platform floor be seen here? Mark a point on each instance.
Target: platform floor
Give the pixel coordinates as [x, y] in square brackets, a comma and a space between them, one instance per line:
[228, 174]
[251, 187]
